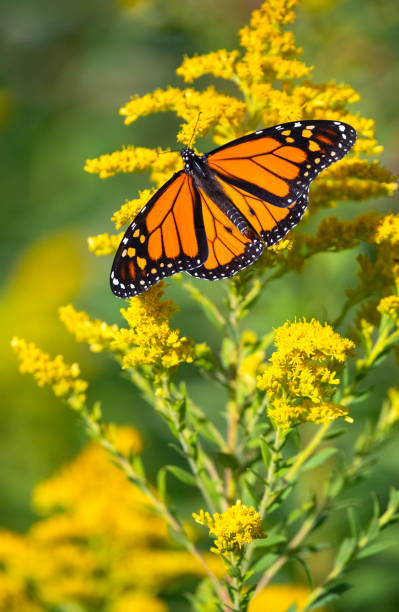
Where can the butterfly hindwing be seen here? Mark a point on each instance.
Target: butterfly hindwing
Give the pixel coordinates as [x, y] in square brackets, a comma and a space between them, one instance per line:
[270, 222]
[167, 236]
[229, 250]
[277, 164]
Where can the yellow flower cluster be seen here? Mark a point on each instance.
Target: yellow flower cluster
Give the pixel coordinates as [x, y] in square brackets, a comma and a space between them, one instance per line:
[99, 547]
[98, 334]
[150, 340]
[62, 378]
[388, 230]
[280, 597]
[378, 271]
[218, 63]
[216, 109]
[301, 379]
[236, 526]
[132, 159]
[389, 306]
[104, 244]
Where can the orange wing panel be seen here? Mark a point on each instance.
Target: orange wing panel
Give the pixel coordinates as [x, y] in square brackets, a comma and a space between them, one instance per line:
[229, 250]
[247, 149]
[164, 203]
[249, 170]
[167, 236]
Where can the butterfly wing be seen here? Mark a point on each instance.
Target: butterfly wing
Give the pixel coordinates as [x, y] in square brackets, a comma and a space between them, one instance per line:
[270, 222]
[167, 236]
[229, 250]
[277, 164]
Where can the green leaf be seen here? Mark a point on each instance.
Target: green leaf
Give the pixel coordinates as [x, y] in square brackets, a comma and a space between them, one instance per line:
[320, 457]
[329, 595]
[252, 493]
[247, 575]
[181, 408]
[138, 466]
[330, 435]
[306, 569]
[96, 413]
[182, 475]
[352, 518]
[272, 540]
[345, 552]
[228, 352]
[266, 452]
[374, 549]
[209, 308]
[264, 562]
[161, 483]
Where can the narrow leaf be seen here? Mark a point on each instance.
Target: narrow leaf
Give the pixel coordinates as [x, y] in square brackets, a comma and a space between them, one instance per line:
[374, 549]
[320, 457]
[182, 475]
[329, 595]
[264, 562]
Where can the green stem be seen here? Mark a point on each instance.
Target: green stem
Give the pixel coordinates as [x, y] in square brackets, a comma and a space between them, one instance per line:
[307, 451]
[95, 429]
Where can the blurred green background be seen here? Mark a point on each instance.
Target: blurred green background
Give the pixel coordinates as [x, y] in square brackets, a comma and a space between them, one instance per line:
[65, 69]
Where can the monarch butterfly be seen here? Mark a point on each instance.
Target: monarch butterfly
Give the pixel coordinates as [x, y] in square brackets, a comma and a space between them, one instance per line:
[215, 216]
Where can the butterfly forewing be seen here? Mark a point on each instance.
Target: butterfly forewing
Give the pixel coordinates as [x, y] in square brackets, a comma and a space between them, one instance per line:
[278, 164]
[167, 236]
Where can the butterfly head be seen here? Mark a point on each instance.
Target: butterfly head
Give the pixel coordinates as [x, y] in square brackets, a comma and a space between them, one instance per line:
[193, 164]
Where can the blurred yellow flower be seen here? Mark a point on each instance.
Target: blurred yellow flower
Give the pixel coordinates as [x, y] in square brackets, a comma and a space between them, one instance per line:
[389, 306]
[238, 525]
[301, 378]
[279, 597]
[104, 244]
[138, 602]
[100, 546]
[62, 378]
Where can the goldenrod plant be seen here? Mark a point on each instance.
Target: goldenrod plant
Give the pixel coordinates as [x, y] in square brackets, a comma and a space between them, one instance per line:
[291, 392]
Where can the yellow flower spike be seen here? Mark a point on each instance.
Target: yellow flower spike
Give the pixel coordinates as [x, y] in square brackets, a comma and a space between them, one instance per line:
[104, 244]
[149, 339]
[62, 378]
[216, 109]
[218, 63]
[237, 526]
[132, 159]
[96, 333]
[388, 230]
[389, 306]
[271, 53]
[126, 439]
[301, 378]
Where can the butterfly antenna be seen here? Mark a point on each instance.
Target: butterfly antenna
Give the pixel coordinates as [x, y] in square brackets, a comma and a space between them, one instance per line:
[194, 130]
